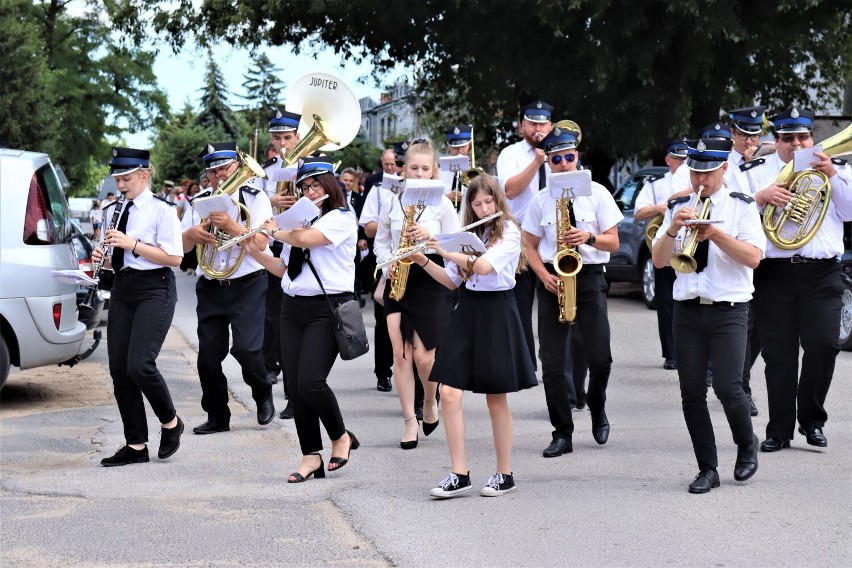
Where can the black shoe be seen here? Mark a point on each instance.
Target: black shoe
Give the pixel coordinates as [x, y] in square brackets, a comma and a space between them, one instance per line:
[560, 445]
[383, 384]
[774, 444]
[212, 426]
[752, 406]
[429, 427]
[600, 427]
[354, 444]
[318, 473]
[265, 410]
[272, 377]
[669, 364]
[170, 440]
[581, 401]
[287, 413]
[499, 484]
[814, 436]
[746, 464]
[126, 455]
[706, 480]
[410, 445]
[452, 485]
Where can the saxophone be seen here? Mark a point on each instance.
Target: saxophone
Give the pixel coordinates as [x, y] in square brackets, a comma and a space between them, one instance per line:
[567, 264]
[398, 273]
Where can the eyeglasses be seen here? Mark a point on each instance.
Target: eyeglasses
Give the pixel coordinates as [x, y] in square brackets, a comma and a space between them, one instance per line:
[744, 136]
[556, 160]
[313, 186]
[790, 138]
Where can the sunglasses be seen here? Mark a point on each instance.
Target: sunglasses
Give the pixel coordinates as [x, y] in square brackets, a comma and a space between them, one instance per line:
[556, 160]
[789, 138]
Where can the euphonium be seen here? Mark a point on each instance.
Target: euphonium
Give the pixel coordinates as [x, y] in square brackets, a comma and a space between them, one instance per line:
[206, 253]
[398, 273]
[654, 224]
[683, 260]
[811, 194]
[567, 263]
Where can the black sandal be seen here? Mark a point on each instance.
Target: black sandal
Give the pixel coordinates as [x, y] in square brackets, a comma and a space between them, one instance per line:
[317, 473]
[354, 444]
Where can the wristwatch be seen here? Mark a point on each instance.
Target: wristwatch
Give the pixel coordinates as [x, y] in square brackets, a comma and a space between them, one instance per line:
[470, 261]
[591, 241]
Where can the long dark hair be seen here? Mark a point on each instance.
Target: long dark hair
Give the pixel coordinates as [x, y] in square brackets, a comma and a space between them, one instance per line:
[486, 184]
[336, 199]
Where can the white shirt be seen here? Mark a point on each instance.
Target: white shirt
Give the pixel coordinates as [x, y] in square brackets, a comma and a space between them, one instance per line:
[503, 255]
[735, 177]
[334, 262]
[595, 213]
[436, 219]
[259, 209]
[151, 221]
[722, 280]
[378, 201]
[511, 161]
[828, 241]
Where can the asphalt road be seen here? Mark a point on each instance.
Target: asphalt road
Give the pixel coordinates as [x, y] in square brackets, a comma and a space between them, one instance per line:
[223, 500]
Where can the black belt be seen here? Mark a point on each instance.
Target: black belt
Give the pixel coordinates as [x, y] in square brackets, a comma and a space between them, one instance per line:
[137, 272]
[799, 259]
[241, 279]
[587, 268]
[706, 302]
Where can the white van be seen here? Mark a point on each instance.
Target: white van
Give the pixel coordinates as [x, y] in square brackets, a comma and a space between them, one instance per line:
[38, 313]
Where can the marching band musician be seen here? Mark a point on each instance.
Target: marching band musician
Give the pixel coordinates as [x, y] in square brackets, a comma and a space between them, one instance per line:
[594, 233]
[486, 316]
[711, 306]
[652, 201]
[798, 292]
[308, 343]
[146, 244]
[522, 173]
[283, 135]
[417, 322]
[236, 302]
[459, 140]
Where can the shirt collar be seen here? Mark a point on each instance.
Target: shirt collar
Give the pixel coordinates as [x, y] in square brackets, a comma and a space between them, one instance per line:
[143, 199]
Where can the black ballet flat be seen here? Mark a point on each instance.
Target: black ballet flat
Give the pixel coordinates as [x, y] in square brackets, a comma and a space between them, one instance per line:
[354, 444]
[318, 473]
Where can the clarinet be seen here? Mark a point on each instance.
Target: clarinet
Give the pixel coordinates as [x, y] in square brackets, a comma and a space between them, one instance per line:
[89, 302]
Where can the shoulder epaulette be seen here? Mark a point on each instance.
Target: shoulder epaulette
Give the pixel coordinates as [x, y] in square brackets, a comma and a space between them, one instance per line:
[743, 196]
[205, 193]
[344, 209]
[166, 201]
[674, 201]
[838, 161]
[656, 177]
[752, 164]
[249, 189]
[269, 162]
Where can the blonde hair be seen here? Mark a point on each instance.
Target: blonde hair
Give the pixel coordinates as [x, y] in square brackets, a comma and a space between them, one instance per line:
[424, 146]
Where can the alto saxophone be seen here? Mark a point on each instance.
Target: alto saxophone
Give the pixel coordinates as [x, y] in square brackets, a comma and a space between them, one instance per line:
[398, 273]
[567, 264]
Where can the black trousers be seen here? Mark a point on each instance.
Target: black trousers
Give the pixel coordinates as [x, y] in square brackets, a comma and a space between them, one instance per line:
[663, 282]
[797, 304]
[140, 314]
[310, 349]
[238, 309]
[555, 345]
[272, 329]
[525, 286]
[717, 331]
[383, 350]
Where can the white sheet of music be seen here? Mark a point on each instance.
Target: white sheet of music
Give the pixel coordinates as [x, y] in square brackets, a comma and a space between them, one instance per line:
[76, 277]
[422, 192]
[392, 182]
[802, 159]
[298, 216]
[454, 163]
[284, 174]
[219, 203]
[465, 242]
[570, 184]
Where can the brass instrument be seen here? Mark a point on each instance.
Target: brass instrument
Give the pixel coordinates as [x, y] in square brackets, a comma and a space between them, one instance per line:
[398, 273]
[567, 263]
[206, 253]
[811, 194]
[683, 260]
[467, 176]
[237, 240]
[654, 224]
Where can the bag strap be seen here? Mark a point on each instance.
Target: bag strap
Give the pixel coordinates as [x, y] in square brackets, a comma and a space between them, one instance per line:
[314, 270]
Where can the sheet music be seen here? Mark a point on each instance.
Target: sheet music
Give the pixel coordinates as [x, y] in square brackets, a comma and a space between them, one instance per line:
[570, 184]
[454, 163]
[392, 182]
[76, 277]
[298, 216]
[803, 158]
[465, 242]
[284, 174]
[422, 192]
[219, 203]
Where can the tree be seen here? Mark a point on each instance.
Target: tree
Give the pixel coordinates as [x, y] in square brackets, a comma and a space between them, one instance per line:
[175, 151]
[263, 90]
[216, 117]
[360, 152]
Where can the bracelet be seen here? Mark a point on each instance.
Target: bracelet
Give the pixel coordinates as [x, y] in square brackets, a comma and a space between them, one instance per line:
[134, 246]
[428, 260]
[272, 234]
[670, 235]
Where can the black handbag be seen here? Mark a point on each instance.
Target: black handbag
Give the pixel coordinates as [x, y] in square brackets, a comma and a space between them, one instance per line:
[351, 335]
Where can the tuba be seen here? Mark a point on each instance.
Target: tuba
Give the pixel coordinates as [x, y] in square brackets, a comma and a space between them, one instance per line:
[567, 263]
[398, 273]
[811, 193]
[207, 254]
[683, 260]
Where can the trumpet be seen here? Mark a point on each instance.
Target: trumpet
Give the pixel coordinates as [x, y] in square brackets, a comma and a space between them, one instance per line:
[683, 260]
[236, 240]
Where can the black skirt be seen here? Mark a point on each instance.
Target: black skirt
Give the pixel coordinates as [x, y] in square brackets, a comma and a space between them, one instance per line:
[425, 306]
[484, 349]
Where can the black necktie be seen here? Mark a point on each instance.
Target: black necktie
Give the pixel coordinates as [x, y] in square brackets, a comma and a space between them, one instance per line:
[571, 218]
[295, 263]
[703, 248]
[542, 178]
[118, 254]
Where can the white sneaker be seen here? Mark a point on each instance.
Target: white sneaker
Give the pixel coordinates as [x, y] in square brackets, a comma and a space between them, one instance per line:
[451, 486]
[498, 485]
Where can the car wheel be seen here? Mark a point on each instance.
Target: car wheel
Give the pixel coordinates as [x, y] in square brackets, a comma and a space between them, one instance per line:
[648, 290]
[4, 362]
[846, 316]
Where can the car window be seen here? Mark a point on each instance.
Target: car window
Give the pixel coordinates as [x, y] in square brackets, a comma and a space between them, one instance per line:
[46, 221]
[626, 194]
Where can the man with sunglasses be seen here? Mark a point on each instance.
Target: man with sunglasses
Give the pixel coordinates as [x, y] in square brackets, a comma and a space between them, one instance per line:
[798, 292]
[594, 233]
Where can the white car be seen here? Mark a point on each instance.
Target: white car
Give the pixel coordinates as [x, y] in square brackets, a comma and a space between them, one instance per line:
[38, 313]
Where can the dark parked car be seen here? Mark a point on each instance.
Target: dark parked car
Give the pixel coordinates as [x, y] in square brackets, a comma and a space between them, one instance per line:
[83, 246]
[632, 261]
[846, 275]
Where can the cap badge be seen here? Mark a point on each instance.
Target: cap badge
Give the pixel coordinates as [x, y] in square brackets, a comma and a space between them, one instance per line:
[404, 146]
[456, 130]
[717, 126]
[557, 132]
[114, 153]
[701, 146]
[794, 113]
[754, 114]
[278, 114]
[538, 105]
[210, 149]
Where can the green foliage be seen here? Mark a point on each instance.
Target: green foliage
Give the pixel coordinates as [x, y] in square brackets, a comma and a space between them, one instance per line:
[216, 117]
[263, 90]
[175, 151]
[359, 153]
